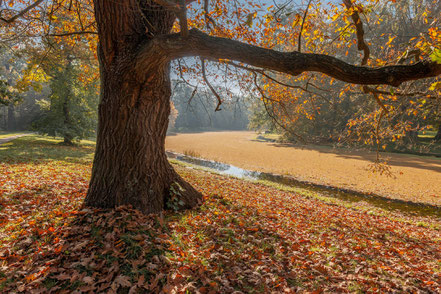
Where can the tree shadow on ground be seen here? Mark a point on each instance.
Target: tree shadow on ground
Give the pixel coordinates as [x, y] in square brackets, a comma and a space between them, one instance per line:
[393, 159]
[95, 251]
[231, 247]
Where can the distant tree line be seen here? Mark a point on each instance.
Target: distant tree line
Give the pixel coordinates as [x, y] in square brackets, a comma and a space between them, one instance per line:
[196, 110]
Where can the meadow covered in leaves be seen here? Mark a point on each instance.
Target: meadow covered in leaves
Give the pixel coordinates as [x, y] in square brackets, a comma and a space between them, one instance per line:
[246, 237]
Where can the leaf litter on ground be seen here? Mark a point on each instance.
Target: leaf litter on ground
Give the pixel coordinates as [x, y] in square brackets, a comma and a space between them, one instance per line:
[245, 238]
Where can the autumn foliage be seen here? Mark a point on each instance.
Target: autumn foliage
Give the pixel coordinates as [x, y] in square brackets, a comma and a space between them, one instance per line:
[246, 236]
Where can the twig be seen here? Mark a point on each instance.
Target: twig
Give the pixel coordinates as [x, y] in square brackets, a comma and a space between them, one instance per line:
[208, 18]
[204, 75]
[72, 33]
[301, 27]
[416, 53]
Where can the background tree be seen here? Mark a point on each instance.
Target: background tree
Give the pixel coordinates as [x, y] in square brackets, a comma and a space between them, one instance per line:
[70, 111]
[25, 84]
[9, 94]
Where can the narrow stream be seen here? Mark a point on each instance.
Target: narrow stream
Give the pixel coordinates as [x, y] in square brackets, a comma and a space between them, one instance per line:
[418, 209]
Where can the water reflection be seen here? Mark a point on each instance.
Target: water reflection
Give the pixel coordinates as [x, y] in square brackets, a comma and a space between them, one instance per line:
[343, 194]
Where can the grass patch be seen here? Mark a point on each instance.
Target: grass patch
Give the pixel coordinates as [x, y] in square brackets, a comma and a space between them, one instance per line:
[4, 135]
[36, 148]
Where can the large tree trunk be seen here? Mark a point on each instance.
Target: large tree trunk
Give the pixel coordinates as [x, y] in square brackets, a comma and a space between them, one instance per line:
[130, 165]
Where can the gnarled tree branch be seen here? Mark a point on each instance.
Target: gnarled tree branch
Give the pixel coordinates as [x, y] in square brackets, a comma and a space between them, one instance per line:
[200, 44]
[361, 43]
[179, 7]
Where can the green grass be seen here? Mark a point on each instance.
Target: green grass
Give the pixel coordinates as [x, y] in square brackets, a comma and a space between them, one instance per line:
[9, 134]
[40, 148]
[427, 134]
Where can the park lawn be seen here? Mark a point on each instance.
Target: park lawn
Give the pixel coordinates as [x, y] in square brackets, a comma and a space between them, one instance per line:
[246, 236]
[4, 135]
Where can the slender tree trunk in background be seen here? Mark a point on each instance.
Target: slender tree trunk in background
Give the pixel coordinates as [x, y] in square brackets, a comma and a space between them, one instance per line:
[438, 134]
[5, 118]
[410, 138]
[67, 121]
[130, 164]
[11, 122]
[11, 118]
[68, 136]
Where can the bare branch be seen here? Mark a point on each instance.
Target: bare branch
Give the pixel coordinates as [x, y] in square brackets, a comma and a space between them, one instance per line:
[208, 18]
[213, 90]
[264, 74]
[22, 12]
[195, 90]
[400, 94]
[416, 53]
[182, 15]
[72, 33]
[362, 45]
[377, 98]
[181, 75]
[301, 27]
[377, 132]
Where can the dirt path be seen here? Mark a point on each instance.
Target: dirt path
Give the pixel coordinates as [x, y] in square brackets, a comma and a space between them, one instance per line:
[416, 178]
[7, 139]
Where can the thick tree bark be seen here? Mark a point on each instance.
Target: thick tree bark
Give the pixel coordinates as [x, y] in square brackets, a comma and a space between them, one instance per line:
[130, 165]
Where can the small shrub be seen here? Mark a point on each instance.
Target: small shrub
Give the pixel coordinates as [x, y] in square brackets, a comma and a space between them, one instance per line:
[191, 153]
